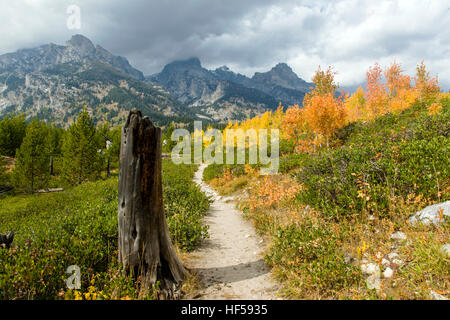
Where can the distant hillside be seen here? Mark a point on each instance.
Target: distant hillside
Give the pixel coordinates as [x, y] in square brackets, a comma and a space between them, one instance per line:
[223, 95]
[52, 81]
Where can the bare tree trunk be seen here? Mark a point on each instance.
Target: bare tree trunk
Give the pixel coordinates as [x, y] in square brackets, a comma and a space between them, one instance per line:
[145, 248]
[51, 165]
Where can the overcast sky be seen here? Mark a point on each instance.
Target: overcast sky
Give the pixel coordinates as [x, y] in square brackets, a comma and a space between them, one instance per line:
[246, 35]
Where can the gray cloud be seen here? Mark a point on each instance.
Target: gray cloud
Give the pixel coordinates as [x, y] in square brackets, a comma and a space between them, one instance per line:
[248, 36]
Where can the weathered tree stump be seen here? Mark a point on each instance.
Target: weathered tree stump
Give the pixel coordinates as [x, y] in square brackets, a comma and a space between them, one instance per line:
[145, 248]
[108, 168]
[51, 166]
[6, 239]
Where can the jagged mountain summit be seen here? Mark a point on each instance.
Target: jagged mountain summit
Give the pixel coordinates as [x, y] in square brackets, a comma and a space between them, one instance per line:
[77, 49]
[52, 81]
[222, 93]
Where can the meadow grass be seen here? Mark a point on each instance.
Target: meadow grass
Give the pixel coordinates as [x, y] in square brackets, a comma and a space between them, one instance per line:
[79, 227]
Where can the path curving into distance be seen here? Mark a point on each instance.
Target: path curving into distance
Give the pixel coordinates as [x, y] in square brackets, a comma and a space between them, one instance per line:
[230, 263]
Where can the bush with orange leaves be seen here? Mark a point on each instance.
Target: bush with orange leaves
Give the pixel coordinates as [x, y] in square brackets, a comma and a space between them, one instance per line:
[224, 178]
[434, 108]
[293, 123]
[401, 94]
[294, 129]
[271, 191]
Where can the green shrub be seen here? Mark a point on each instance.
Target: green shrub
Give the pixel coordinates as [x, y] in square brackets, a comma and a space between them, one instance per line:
[213, 171]
[79, 227]
[291, 161]
[185, 205]
[311, 254]
[54, 231]
[4, 179]
[394, 156]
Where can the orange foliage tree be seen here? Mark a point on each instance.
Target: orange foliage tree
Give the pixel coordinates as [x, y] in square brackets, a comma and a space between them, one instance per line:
[427, 87]
[325, 114]
[322, 111]
[401, 94]
[376, 96]
[324, 82]
[293, 124]
[396, 81]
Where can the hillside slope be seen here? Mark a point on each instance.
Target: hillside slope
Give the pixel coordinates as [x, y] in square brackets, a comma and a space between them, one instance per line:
[52, 81]
[224, 95]
[337, 219]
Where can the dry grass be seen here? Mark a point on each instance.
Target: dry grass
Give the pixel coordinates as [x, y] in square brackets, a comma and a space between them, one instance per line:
[227, 187]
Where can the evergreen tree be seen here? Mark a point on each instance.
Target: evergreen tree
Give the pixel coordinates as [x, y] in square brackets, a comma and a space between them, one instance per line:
[81, 157]
[32, 166]
[56, 138]
[105, 141]
[113, 151]
[167, 143]
[12, 132]
[3, 176]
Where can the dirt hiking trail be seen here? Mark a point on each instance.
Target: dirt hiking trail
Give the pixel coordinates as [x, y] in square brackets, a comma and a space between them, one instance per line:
[230, 263]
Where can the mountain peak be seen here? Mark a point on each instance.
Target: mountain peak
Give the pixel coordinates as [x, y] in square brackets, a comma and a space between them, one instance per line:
[223, 68]
[282, 67]
[194, 61]
[190, 62]
[81, 43]
[281, 75]
[191, 65]
[79, 40]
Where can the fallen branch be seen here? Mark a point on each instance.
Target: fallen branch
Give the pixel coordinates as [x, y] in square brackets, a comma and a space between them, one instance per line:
[6, 189]
[50, 190]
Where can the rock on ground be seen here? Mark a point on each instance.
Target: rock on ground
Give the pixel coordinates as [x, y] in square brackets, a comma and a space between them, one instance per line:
[370, 268]
[373, 282]
[399, 236]
[431, 214]
[388, 273]
[437, 296]
[445, 249]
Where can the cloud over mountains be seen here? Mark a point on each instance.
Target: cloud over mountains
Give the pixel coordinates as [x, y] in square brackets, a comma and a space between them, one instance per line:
[248, 36]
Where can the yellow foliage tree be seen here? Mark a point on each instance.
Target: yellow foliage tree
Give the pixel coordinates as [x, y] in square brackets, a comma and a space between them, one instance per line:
[354, 105]
[427, 87]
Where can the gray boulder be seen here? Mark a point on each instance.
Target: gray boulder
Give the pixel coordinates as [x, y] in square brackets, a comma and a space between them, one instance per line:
[431, 214]
[437, 296]
[445, 249]
[399, 236]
